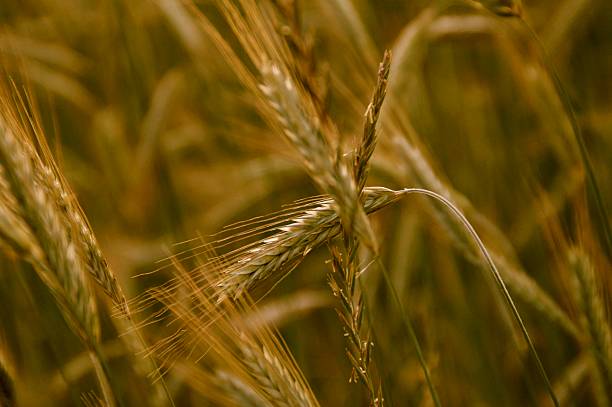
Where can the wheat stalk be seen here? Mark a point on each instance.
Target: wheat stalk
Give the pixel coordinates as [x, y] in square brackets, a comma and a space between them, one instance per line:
[454, 210]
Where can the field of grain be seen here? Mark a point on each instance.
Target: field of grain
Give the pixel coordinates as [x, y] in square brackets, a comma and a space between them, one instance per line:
[305, 203]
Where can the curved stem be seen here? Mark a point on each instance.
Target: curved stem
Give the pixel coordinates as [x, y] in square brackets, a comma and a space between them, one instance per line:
[498, 279]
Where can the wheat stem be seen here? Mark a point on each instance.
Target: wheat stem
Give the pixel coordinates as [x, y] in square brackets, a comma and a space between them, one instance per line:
[496, 275]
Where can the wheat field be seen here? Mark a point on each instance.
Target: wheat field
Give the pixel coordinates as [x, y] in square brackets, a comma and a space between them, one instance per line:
[305, 203]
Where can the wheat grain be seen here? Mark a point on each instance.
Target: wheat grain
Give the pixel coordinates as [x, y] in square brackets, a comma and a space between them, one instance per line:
[367, 145]
[13, 229]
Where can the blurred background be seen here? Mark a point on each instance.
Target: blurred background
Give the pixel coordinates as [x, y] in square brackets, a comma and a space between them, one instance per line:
[162, 144]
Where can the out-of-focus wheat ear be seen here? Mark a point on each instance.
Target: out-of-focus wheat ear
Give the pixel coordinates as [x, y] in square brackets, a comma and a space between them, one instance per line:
[571, 379]
[23, 121]
[94, 261]
[62, 267]
[50, 178]
[271, 375]
[594, 322]
[7, 390]
[218, 331]
[278, 311]
[221, 387]
[504, 8]
[59, 190]
[91, 399]
[65, 271]
[368, 141]
[594, 189]
[304, 63]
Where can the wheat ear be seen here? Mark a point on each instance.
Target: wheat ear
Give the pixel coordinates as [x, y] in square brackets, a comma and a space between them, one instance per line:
[302, 130]
[7, 391]
[292, 241]
[51, 244]
[344, 285]
[593, 320]
[275, 245]
[60, 265]
[216, 331]
[366, 147]
[345, 271]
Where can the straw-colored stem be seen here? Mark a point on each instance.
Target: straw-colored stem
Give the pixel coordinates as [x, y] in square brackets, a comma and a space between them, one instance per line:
[497, 276]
